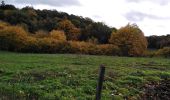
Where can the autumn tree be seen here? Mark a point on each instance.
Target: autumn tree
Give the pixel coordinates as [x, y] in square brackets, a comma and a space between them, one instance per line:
[31, 45]
[72, 33]
[130, 40]
[58, 35]
[12, 38]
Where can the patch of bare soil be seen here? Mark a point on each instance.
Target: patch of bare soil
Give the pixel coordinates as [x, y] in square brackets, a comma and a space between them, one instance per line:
[157, 91]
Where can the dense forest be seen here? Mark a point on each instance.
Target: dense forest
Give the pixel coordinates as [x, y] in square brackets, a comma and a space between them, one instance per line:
[47, 20]
[157, 42]
[50, 31]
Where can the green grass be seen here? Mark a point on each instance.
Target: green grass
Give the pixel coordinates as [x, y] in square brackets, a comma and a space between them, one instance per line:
[74, 77]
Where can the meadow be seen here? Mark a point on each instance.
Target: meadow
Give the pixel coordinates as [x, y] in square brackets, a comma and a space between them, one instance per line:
[74, 77]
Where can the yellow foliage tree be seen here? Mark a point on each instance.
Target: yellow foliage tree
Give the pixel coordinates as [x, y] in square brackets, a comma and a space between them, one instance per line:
[58, 35]
[13, 38]
[31, 45]
[72, 33]
[130, 40]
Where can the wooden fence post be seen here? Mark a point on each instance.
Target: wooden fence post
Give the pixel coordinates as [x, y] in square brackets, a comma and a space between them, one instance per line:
[100, 82]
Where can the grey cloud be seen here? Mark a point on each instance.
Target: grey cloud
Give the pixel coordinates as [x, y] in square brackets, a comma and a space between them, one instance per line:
[46, 2]
[139, 16]
[160, 2]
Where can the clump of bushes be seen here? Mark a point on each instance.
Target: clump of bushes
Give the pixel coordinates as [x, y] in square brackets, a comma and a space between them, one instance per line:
[15, 38]
[165, 52]
[150, 53]
[12, 38]
[127, 41]
[108, 49]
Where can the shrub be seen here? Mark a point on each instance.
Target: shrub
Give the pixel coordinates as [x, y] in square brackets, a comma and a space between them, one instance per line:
[31, 45]
[165, 52]
[108, 49]
[79, 47]
[93, 49]
[150, 53]
[58, 35]
[61, 47]
[12, 38]
[45, 45]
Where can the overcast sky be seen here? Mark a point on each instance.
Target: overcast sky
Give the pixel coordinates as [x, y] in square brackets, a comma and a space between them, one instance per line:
[152, 16]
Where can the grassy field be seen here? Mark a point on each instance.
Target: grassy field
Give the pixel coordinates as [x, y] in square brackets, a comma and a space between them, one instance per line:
[74, 77]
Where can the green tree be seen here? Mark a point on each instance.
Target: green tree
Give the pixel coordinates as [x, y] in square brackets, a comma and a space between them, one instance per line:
[98, 30]
[130, 40]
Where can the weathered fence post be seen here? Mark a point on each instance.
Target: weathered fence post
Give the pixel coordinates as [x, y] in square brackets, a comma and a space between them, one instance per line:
[100, 82]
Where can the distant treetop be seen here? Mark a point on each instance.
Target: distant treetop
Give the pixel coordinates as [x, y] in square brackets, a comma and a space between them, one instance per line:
[2, 3]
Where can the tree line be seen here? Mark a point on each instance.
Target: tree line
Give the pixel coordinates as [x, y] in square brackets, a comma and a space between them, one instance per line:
[46, 20]
[158, 42]
[50, 31]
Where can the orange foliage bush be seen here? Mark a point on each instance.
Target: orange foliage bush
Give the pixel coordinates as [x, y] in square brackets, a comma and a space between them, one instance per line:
[58, 35]
[12, 38]
[80, 47]
[71, 32]
[130, 40]
[108, 49]
[31, 45]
